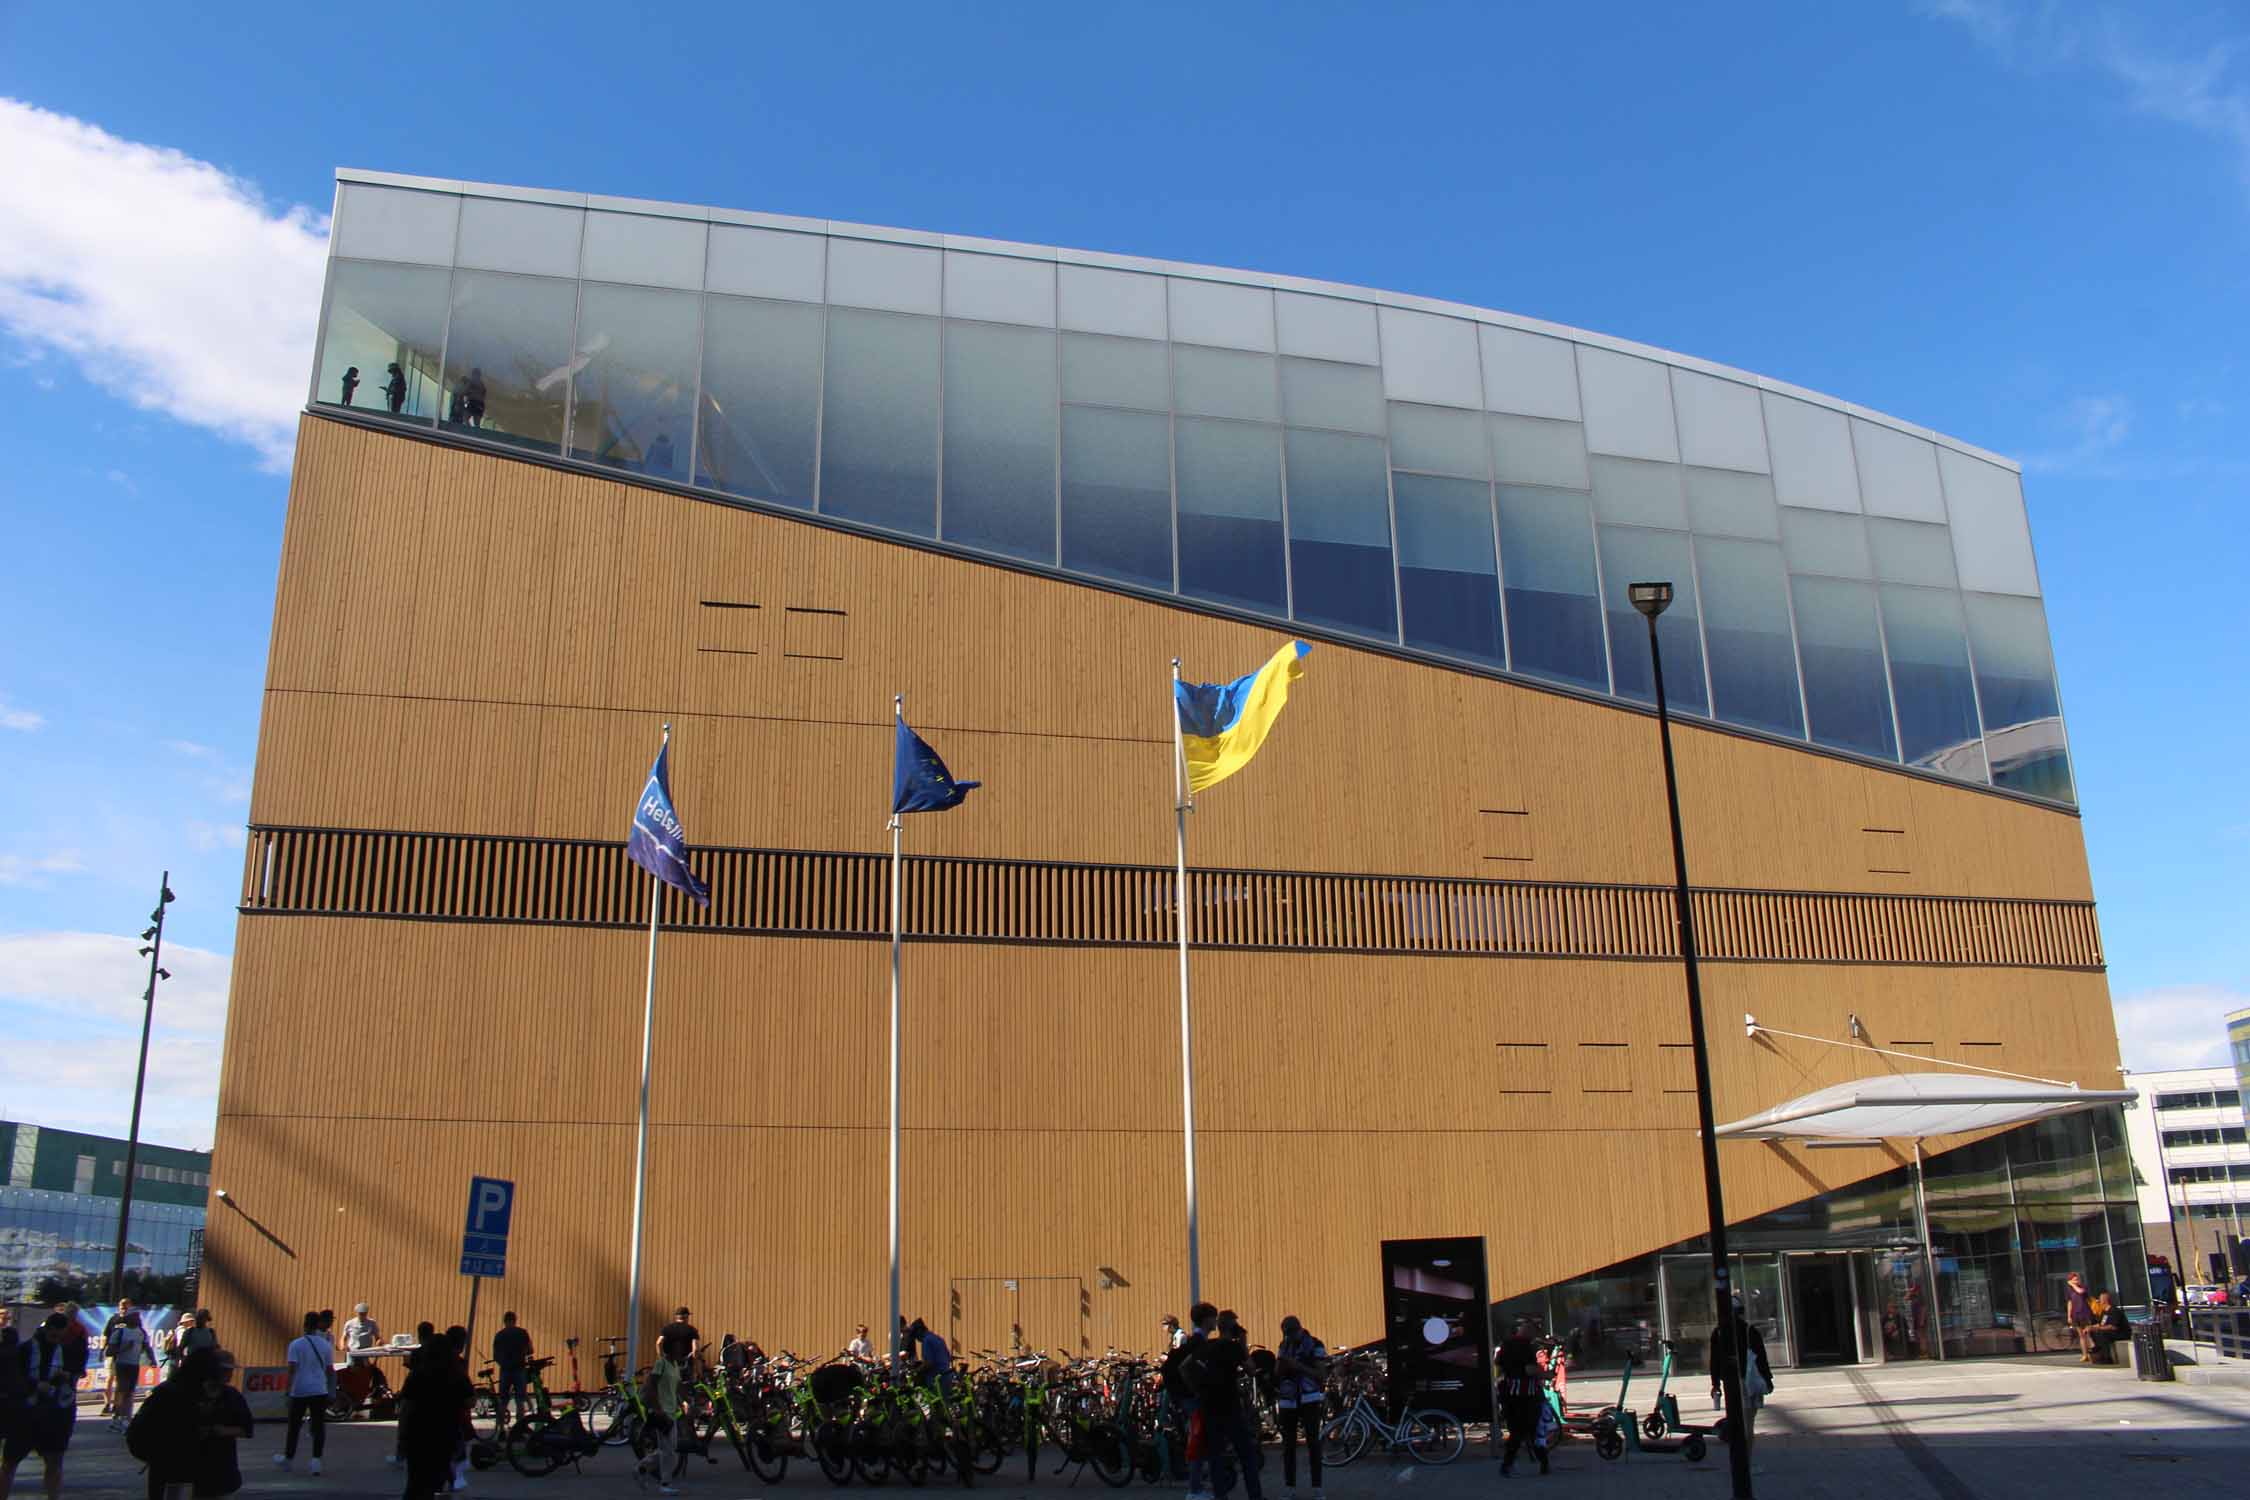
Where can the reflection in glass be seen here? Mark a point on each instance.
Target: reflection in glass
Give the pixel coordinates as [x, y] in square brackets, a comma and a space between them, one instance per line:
[1529, 450]
[507, 358]
[1553, 601]
[1746, 627]
[1230, 514]
[1448, 595]
[1225, 383]
[1340, 532]
[1937, 708]
[1631, 555]
[1846, 696]
[1437, 440]
[1115, 372]
[1640, 493]
[1117, 495]
[761, 398]
[379, 352]
[879, 424]
[1000, 439]
[635, 378]
[2023, 728]
[1315, 393]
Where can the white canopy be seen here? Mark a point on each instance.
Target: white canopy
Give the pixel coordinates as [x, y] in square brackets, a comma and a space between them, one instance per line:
[1909, 1106]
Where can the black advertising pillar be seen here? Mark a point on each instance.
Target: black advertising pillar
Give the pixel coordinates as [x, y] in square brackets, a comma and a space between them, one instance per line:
[1437, 1325]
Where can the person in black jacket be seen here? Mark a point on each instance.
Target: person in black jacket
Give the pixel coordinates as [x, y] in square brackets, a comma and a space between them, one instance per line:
[1738, 1345]
[1521, 1385]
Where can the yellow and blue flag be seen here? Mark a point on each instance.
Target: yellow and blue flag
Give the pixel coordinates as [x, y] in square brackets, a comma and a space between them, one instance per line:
[1222, 724]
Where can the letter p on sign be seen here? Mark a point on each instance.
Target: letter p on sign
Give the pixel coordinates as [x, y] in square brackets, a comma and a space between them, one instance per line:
[484, 1239]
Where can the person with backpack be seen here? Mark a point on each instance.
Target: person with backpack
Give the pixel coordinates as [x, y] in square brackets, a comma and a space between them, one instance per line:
[126, 1349]
[435, 1400]
[1521, 1388]
[1300, 1366]
[1214, 1372]
[312, 1383]
[50, 1404]
[1179, 1392]
[167, 1433]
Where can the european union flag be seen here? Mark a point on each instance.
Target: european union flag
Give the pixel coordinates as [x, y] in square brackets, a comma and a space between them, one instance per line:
[658, 843]
[919, 780]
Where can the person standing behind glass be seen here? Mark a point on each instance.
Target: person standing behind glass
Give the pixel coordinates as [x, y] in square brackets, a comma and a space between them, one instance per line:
[472, 397]
[351, 383]
[659, 460]
[394, 390]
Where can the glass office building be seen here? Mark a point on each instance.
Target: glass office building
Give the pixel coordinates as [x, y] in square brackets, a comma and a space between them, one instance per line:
[1441, 480]
[58, 1211]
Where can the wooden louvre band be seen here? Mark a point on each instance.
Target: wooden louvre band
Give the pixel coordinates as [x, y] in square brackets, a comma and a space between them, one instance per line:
[588, 883]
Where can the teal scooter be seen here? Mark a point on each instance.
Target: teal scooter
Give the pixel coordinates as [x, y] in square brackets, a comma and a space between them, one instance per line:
[1621, 1433]
[1666, 1417]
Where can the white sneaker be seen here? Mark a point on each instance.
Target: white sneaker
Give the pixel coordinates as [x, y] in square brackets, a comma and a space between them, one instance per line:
[315, 1467]
[281, 1461]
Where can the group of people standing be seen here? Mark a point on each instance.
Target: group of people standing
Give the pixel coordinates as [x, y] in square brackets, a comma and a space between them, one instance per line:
[1203, 1378]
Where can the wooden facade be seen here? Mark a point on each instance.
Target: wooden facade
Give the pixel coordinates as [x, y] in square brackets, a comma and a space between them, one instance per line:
[1435, 991]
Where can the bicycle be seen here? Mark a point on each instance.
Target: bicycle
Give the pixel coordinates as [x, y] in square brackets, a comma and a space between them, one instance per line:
[1431, 1436]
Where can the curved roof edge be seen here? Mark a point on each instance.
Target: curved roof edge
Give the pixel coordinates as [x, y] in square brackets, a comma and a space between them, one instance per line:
[848, 230]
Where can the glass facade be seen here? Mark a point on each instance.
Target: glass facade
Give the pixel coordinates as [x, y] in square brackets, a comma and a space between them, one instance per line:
[1442, 483]
[69, 1238]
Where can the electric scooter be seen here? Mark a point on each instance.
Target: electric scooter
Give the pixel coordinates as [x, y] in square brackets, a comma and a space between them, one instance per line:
[1619, 1431]
[1666, 1417]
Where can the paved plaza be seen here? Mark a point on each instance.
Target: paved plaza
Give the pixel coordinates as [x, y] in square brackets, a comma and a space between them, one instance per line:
[1994, 1430]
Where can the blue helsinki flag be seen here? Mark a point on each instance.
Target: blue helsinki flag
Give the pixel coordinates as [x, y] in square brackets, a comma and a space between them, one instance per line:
[659, 843]
[919, 780]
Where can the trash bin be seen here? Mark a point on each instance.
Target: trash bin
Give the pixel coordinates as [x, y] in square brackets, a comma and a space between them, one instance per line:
[2150, 1362]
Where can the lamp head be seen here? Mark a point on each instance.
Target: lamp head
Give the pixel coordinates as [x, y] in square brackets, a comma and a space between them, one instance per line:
[1651, 599]
[164, 973]
[146, 950]
[169, 898]
[147, 933]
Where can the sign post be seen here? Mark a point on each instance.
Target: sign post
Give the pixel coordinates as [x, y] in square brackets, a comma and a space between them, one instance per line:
[484, 1240]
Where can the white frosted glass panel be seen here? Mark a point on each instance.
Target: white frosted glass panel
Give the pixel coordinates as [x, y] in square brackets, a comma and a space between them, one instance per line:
[2023, 728]
[1436, 440]
[380, 223]
[767, 263]
[1449, 594]
[761, 397]
[999, 289]
[632, 398]
[1529, 373]
[379, 351]
[507, 357]
[1991, 534]
[1116, 372]
[1340, 532]
[1094, 300]
[1000, 439]
[879, 422]
[1628, 405]
[1746, 630]
[1217, 312]
[500, 235]
[1930, 684]
[645, 250]
[1821, 542]
[1898, 473]
[1911, 552]
[1812, 455]
[1721, 426]
[1847, 695]
[1117, 494]
[1225, 383]
[1531, 450]
[1325, 327]
[1629, 556]
[1315, 393]
[1722, 502]
[1431, 359]
[1640, 494]
[1553, 601]
[873, 273]
[1229, 478]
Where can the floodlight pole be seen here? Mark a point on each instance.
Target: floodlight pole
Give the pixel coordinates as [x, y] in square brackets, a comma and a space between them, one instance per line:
[155, 952]
[1722, 1288]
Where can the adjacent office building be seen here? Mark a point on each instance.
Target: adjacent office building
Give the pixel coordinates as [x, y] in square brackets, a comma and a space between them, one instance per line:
[2191, 1162]
[574, 468]
[58, 1215]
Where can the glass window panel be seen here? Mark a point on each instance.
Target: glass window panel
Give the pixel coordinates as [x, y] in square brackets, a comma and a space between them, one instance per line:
[1340, 532]
[1812, 454]
[879, 423]
[1315, 393]
[379, 352]
[507, 357]
[761, 398]
[1628, 405]
[999, 288]
[1448, 595]
[1117, 495]
[1230, 514]
[880, 274]
[1847, 697]
[1817, 542]
[383, 223]
[501, 234]
[1430, 359]
[1898, 473]
[755, 262]
[1638, 494]
[1721, 423]
[1325, 327]
[1909, 552]
[1529, 373]
[1527, 450]
[1219, 312]
[635, 380]
[1115, 372]
[1746, 629]
[1224, 383]
[1553, 601]
[1436, 440]
[1000, 439]
[1103, 301]
[1991, 536]
[645, 249]
[1937, 709]
[1721, 502]
[1631, 555]
[2023, 727]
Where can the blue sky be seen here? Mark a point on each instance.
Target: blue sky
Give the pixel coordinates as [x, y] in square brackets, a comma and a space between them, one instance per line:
[2021, 225]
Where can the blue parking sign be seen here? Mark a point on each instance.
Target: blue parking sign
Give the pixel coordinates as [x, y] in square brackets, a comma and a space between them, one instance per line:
[484, 1240]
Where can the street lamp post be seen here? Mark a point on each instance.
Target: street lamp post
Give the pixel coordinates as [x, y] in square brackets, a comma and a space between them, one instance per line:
[1651, 599]
[153, 940]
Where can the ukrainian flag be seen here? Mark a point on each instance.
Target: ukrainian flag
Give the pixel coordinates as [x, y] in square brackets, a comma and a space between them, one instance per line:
[1222, 724]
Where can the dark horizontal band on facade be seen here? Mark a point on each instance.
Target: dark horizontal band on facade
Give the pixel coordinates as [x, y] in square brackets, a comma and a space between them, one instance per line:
[802, 893]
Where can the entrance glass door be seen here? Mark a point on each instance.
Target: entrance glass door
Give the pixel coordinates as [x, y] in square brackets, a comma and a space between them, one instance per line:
[1687, 1305]
[1821, 1309]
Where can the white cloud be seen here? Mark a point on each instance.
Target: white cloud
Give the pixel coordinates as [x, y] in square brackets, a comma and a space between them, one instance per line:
[206, 837]
[22, 720]
[32, 869]
[87, 1085]
[170, 282]
[2176, 1026]
[190, 749]
[2094, 426]
[101, 975]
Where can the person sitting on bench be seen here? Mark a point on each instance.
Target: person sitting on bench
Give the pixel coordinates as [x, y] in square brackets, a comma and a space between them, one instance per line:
[2111, 1329]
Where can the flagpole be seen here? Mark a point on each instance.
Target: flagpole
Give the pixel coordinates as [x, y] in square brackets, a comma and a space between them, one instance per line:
[640, 1134]
[1182, 805]
[890, 1329]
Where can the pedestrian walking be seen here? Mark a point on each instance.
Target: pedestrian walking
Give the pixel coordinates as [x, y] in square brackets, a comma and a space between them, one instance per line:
[312, 1384]
[187, 1429]
[198, 1333]
[1738, 1344]
[127, 1348]
[50, 1404]
[1170, 1337]
[1521, 1386]
[434, 1402]
[1179, 1391]
[679, 1340]
[1300, 1366]
[117, 1320]
[1214, 1369]
[660, 1394]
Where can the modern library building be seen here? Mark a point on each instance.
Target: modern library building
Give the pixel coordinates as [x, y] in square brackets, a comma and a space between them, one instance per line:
[573, 468]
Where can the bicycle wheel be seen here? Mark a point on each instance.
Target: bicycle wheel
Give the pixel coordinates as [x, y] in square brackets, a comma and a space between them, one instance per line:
[831, 1447]
[602, 1411]
[532, 1449]
[1107, 1450]
[1434, 1437]
[1344, 1440]
[765, 1460]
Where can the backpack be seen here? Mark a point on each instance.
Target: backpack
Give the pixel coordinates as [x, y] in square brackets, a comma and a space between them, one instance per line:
[146, 1438]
